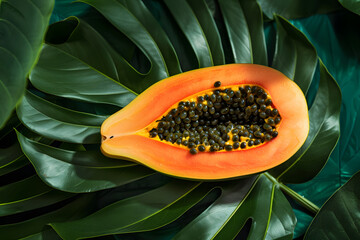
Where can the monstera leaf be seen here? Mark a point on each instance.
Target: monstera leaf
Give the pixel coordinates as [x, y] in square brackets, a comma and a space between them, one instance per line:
[92, 66]
[22, 28]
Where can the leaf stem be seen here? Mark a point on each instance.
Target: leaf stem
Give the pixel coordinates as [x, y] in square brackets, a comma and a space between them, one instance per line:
[306, 203]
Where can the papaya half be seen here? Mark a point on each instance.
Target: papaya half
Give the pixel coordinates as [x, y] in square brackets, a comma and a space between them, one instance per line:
[212, 123]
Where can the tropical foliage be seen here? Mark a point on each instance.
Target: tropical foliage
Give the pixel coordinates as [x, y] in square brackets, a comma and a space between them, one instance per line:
[55, 183]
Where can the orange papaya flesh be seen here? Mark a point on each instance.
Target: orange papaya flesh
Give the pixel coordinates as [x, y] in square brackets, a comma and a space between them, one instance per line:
[129, 133]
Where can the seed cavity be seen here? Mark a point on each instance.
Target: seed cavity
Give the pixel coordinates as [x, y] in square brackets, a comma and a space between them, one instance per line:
[222, 119]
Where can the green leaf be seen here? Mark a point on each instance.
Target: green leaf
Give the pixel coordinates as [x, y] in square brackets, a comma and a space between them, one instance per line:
[134, 30]
[294, 55]
[158, 207]
[82, 71]
[74, 171]
[351, 5]
[22, 27]
[11, 158]
[339, 217]
[245, 31]
[159, 36]
[56, 122]
[208, 27]
[297, 8]
[323, 136]
[16, 197]
[264, 205]
[36, 223]
[239, 36]
[190, 26]
[18, 190]
[47, 234]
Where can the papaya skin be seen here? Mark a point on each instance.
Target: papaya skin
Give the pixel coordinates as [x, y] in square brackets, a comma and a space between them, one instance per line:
[123, 132]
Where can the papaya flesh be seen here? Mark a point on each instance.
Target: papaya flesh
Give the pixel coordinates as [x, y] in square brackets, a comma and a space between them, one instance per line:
[255, 119]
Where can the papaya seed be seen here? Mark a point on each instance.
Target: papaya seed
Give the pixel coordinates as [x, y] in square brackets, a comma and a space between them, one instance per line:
[222, 119]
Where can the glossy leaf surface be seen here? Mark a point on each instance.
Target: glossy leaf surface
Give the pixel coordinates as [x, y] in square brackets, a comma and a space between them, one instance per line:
[22, 27]
[297, 8]
[56, 122]
[264, 205]
[75, 172]
[352, 5]
[324, 133]
[294, 55]
[339, 217]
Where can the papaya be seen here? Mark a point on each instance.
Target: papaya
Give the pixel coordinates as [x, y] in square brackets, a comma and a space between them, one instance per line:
[212, 123]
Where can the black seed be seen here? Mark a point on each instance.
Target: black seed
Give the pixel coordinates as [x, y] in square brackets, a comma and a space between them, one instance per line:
[258, 134]
[255, 128]
[185, 142]
[178, 141]
[183, 115]
[193, 151]
[222, 143]
[277, 120]
[235, 131]
[243, 145]
[228, 147]
[267, 126]
[187, 120]
[217, 105]
[236, 145]
[260, 101]
[152, 135]
[270, 121]
[199, 106]
[250, 98]
[201, 148]
[257, 142]
[217, 92]
[224, 110]
[181, 108]
[274, 134]
[191, 145]
[268, 102]
[210, 103]
[274, 112]
[205, 108]
[235, 138]
[226, 98]
[191, 113]
[200, 98]
[160, 130]
[161, 124]
[177, 120]
[267, 137]
[263, 107]
[253, 107]
[263, 115]
[250, 143]
[217, 84]
[192, 105]
[242, 103]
